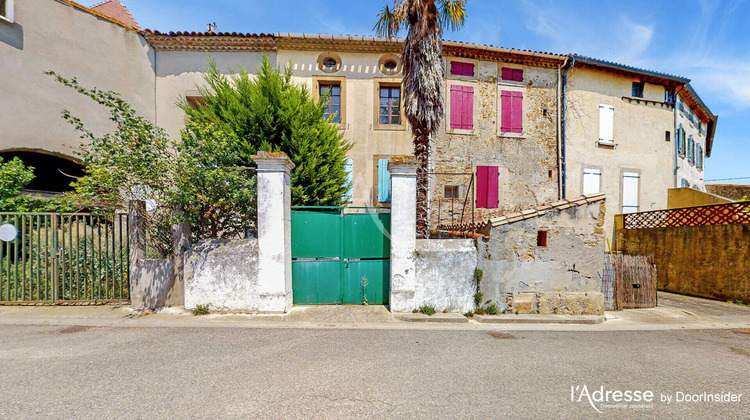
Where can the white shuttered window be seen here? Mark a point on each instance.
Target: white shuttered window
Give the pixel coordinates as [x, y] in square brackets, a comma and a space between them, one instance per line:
[630, 192]
[606, 123]
[591, 180]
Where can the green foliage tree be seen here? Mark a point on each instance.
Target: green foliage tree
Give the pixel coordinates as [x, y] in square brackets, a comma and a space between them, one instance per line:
[212, 191]
[269, 112]
[132, 162]
[15, 176]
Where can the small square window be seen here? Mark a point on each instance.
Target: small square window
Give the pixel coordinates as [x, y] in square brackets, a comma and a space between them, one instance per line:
[667, 136]
[511, 74]
[541, 239]
[450, 191]
[193, 101]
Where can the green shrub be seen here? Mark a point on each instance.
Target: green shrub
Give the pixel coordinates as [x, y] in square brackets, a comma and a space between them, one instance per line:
[491, 309]
[478, 298]
[427, 310]
[478, 274]
[201, 310]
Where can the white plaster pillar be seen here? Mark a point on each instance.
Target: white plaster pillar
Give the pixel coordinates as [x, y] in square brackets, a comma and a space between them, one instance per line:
[274, 232]
[403, 232]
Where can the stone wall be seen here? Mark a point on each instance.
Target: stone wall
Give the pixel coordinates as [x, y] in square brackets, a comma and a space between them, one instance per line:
[527, 162]
[733, 192]
[445, 274]
[706, 261]
[562, 277]
[152, 284]
[223, 274]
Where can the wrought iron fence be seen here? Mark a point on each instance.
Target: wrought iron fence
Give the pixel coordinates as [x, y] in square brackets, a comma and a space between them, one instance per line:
[716, 214]
[57, 258]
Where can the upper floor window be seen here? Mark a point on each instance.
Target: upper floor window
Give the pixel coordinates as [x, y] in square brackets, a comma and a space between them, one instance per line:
[332, 90]
[511, 118]
[680, 140]
[700, 127]
[511, 75]
[6, 10]
[698, 156]
[680, 105]
[606, 124]
[462, 107]
[390, 105]
[669, 95]
[638, 89]
[459, 68]
[690, 150]
[691, 116]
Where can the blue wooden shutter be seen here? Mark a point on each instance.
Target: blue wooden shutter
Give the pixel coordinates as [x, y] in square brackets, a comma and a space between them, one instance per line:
[384, 181]
[348, 168]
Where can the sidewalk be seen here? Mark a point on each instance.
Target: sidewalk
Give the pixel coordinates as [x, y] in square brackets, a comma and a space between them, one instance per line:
[674, 312]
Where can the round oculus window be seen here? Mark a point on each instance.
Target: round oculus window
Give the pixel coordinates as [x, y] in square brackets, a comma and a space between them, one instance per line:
[390, 65]
[330, 63]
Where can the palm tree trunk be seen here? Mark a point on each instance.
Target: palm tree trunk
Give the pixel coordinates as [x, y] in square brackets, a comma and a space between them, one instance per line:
[422, 152]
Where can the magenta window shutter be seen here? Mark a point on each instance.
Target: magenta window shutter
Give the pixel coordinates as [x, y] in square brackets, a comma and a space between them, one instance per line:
[492, 187]
[456, 97]
[467, 112]
[518, 75]
[516, 117]
[482, 172]
[507, 73]
[468, 69]
[456, 67]
[505, 111]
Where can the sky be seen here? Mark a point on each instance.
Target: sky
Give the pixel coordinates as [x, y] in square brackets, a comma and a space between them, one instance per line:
[706, 41]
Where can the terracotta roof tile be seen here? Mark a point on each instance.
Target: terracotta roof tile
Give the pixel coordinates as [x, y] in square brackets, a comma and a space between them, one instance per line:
[542, 209]
[116, 10]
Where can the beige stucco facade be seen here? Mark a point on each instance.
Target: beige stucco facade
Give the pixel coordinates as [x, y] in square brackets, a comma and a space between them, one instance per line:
[54, 35]
[640, 144]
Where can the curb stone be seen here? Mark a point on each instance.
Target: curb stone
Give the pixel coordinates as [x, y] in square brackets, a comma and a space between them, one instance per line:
[540, 319]
[440, 317]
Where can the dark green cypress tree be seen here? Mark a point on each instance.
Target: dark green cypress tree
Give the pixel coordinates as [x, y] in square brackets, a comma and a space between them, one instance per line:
[269, 112]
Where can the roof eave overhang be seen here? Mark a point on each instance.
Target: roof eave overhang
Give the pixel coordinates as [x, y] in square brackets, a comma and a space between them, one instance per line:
[623, 70]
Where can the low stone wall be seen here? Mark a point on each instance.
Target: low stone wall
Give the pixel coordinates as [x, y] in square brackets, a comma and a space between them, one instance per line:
[562, 277]
[707, 261]
[152, 284]
[445, 274]
[223, 274]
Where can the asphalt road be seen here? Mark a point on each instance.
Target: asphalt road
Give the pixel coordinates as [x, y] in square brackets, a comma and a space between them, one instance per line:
[103, 372]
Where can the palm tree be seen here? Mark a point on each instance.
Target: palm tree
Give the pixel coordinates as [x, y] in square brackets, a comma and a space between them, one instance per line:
[423, 69]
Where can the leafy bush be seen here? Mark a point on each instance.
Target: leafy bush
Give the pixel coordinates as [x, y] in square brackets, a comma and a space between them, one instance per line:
[427, 309]
[491, 309]
[201, 310]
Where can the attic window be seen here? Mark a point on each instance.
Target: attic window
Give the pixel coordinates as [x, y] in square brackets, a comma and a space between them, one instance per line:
[329, 63]
[638, 89]
[541, 239]
[390, 65]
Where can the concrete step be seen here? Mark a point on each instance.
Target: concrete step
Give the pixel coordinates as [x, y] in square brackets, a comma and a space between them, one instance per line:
[439, 317]
[539, 319]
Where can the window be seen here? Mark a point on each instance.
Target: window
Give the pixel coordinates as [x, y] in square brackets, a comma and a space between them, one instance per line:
[541, 239]
[462, 107]
[669, 95]
[348, 169]
[390, 105]
[667, 136]
[389, 64]
[638, 89]
[329, 62]
[511, 118]
[685, 183]
[487, 187]
[511, 75]
[592, 181]
[6, 10]
[698, 156]
[459, 68]
[450, 191]
[690, 150]
[691, 116]
[680, 105]
[333, 108]
[384, 181]
[683, 144]
[700, 128]
[606, 123]
[193, 101]
[630, 192]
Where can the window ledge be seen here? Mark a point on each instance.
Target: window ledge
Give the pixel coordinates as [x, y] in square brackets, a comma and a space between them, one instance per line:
[509, 135]
[459, 131]
[6, 19]
[607, 144]
[647, 101]
[389, 127]
[511, 83]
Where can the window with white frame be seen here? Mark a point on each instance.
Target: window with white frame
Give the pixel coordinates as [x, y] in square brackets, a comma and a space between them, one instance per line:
[6, 10]
[630, 181]
[606, 124]
[592, 181]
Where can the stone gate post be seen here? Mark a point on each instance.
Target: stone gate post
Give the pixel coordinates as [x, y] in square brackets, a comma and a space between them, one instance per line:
[403, 232]
[274, 232]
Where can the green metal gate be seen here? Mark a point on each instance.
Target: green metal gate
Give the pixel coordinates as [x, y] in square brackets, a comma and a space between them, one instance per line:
[64, 258]
[340, 257]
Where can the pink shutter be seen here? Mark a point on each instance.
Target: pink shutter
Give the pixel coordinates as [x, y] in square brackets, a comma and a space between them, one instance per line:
[492, 187]
[467, 112]
[518, 75]
[456, 99]
[482, 180]
[456, 67]
[505, 111]
[468, 69]
[516, 117]
[507, 73]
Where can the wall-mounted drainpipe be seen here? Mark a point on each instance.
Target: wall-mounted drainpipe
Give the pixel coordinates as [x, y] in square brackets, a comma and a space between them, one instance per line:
[562, 129]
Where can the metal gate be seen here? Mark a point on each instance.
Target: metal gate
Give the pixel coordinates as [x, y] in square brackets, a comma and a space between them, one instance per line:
[339, 256]
[64, 258]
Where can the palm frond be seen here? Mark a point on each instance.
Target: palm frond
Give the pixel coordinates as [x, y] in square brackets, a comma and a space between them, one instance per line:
[452, 14]
[389, 21]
